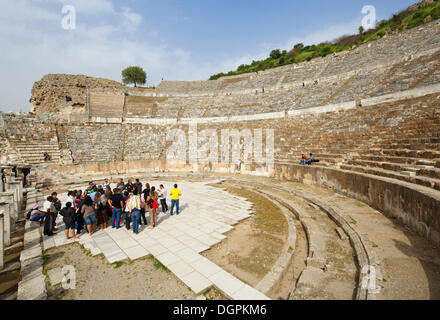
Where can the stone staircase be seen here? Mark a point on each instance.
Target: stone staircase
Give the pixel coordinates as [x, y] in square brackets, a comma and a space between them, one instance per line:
[32, 153]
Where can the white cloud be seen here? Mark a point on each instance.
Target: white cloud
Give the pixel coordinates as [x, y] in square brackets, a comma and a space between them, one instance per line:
[325, 34]
[34, 44]
[89, 7]
[29, 50]
[131, 20]
[328, 33]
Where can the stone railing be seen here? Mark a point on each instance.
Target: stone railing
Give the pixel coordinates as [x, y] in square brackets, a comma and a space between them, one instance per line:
[33, 282]
[2, 242]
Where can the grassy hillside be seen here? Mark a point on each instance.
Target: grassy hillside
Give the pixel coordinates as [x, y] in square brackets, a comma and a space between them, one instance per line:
[412, 17]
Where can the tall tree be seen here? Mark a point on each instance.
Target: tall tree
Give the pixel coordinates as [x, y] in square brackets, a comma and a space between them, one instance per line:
[134, 75]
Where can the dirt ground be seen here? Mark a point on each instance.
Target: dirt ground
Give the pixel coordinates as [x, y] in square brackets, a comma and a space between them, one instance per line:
[253, 247]
[96, 279]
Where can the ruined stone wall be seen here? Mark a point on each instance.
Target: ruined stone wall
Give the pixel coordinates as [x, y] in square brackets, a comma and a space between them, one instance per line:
[114, 142]
[50, 95]
[414, 206]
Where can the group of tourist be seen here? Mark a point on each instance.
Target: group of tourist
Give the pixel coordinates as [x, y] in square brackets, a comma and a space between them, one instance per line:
[308, 161]
[93, 207]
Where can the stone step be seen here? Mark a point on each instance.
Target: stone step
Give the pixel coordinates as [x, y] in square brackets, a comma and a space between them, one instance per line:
[10, 272]
[424, 154]
[31, 145]
[39, 157]
[430, 172]
[413, 141]
[37, 150]
[9, 296]
[398, 167]
[416, 147]
[422, 181]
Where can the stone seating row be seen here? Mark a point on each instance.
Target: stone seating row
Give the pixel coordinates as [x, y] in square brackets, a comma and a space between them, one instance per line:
[33, 153]
[385, 51]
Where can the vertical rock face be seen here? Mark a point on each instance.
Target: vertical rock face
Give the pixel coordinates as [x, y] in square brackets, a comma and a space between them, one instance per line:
[66, 94]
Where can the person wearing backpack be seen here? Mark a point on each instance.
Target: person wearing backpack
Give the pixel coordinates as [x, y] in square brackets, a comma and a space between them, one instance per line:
[69, 218]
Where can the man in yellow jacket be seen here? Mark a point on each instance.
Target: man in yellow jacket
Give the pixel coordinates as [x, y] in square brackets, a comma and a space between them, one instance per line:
[175, 194]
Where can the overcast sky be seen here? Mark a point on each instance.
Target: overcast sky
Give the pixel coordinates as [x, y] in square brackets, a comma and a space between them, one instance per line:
[174, 40]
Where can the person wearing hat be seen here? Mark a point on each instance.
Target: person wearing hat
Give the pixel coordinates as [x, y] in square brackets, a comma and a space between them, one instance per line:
[37, 215]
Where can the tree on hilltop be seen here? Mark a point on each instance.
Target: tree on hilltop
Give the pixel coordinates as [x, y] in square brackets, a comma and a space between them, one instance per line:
[275, 54]
[134, 75]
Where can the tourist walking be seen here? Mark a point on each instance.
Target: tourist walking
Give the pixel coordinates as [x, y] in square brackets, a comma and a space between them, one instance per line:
[116, 204]
[175, 194]
[69, 218]
[134, 208]
[88, 211]
[163, 198]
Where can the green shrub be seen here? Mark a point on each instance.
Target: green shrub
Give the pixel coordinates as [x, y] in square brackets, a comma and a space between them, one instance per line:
[300, 52]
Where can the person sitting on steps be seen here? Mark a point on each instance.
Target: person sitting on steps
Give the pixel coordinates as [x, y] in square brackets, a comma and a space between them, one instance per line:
[312, 160]
[304, 159]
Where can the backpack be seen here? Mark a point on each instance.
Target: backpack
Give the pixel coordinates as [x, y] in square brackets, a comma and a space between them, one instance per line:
[28, 216]
[47, 227]
[57, 206]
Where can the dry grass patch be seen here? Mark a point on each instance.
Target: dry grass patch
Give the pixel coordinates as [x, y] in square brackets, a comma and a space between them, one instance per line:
[253, 247]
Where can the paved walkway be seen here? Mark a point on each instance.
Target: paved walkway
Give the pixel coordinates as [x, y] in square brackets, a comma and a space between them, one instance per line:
[207, 213]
